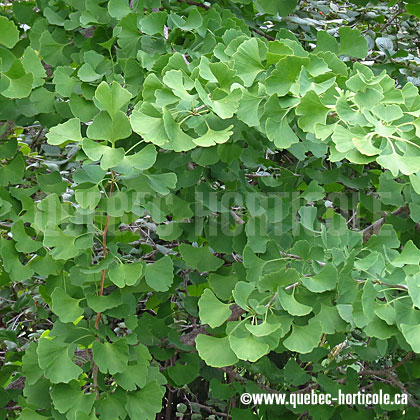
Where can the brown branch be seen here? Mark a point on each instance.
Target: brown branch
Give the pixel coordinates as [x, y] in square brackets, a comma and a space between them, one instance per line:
[212, 411]
[237, 218]
[374, 227]
[168, 412]
[101, 288]
[15, 407]
[399, 12]
[259, 32]
[36, 138]
[407, 357]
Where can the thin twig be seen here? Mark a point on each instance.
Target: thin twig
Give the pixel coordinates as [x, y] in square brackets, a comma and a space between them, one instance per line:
[101, 289]
[36, 138]
[399, 12]
[259, 32]
[371, 229]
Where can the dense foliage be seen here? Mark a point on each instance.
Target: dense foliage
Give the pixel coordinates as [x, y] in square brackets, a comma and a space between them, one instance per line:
[203, 199]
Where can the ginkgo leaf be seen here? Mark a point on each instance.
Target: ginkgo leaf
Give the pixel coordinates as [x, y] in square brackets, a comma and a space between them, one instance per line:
[211, 310]
[62, 133]
[113, 97]
[54, 358]
[213, 137]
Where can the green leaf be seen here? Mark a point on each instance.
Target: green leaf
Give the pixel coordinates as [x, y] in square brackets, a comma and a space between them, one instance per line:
[11, 261]
[145, 403]
[126, 274]
[9, 34]
[272, 7]
[103, 303]
[82, 108]
[352, 43]
[24, 242]
[88, 198]
[109, 157]
[30, 365]
[32, 64]
[241, 293]
[118, 8]
[144, 159]
[386, 312]
[247, 61]
[211, 310]
[12, 172]
[112, 406]
[326, 42]
[52, 183]
[325, 280]
[213, 137]
[380, 329]
[280, 133]
[135, 375]
[194, 20]
[284, 75]
[16, 83]
[263, 329]
[54, 359]
[330, 319]
[153, 23]
[64, 83]
[304, 339]
[248, 110]
[409, 255]
[179, 141]
[183, 374]
[163, 183]
[72, 401]
[104, 127]
[222, 286]
[413, 284]
[111, 357]
[147, 121]
[62, 133]
[64, 247]
[313, 192]
[160, 274]
[200, 258]
[388, 113]
[291, 305]
[312, 111]
[28, 414]
[63, 305]
[248, 348]
[52, 51]
[412, 334]
[113, 97]
[216, 352]
[175, 80]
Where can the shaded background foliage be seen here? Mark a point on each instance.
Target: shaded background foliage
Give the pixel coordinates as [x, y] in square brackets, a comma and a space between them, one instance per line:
[204, 199]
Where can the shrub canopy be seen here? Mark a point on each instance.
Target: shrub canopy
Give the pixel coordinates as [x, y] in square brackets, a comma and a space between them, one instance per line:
[199, 200]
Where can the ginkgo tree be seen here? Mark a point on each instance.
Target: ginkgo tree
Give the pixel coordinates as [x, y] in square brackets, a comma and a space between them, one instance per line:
[200, 200]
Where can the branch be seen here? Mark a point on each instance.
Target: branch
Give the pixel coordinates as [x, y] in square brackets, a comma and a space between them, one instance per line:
[237, 218]
[399, 12]
[101, 289]
[374, 227]
[259, 32]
